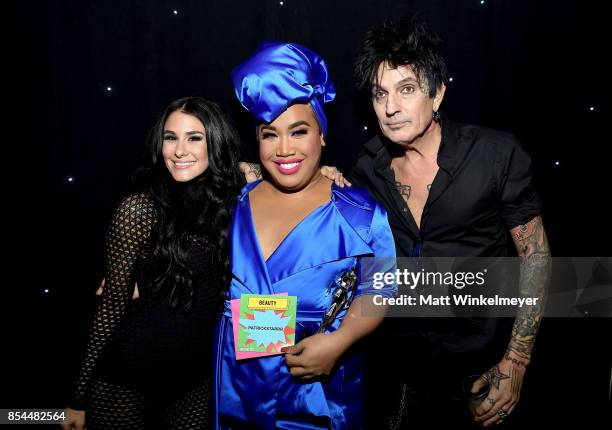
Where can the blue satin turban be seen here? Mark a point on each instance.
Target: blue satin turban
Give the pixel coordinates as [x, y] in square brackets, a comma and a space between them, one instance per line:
[278, 75]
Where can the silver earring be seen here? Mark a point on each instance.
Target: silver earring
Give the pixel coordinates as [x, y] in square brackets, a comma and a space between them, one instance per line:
[436, 116]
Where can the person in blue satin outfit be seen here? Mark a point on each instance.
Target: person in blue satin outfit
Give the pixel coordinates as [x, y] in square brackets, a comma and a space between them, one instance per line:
[295, 232]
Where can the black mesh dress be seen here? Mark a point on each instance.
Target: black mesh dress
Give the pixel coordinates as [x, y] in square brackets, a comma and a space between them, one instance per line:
[146, 366]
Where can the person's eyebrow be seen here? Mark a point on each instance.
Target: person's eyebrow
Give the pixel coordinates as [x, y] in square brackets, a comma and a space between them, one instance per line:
[298, 123]
[408, 80]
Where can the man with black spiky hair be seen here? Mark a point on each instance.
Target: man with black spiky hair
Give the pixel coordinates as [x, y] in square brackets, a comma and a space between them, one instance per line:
[450, 190]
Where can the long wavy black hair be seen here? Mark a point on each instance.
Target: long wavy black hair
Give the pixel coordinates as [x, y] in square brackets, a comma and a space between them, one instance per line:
[191, 213]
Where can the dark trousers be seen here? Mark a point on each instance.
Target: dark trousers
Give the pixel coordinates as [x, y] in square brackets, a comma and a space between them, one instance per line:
[415, 382]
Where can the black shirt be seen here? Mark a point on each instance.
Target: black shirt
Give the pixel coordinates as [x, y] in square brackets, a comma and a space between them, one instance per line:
[483, 189]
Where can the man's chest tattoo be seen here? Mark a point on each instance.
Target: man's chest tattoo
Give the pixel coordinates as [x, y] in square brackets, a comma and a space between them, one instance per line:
[406, 190]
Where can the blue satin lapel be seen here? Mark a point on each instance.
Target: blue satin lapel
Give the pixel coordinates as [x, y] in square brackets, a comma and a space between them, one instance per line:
[248, 265]
[293, 256]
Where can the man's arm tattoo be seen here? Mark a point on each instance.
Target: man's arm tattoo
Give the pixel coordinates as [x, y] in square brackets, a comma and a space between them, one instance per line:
[516, 382]
[535, 273]
[494, 376]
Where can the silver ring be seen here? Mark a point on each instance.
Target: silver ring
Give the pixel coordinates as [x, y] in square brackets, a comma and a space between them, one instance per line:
[503, 414]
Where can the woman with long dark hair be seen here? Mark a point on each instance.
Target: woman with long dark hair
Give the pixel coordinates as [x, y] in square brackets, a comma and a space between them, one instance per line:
[148, 361]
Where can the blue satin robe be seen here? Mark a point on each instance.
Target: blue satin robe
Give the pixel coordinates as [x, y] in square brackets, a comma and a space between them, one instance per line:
[260, 392]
